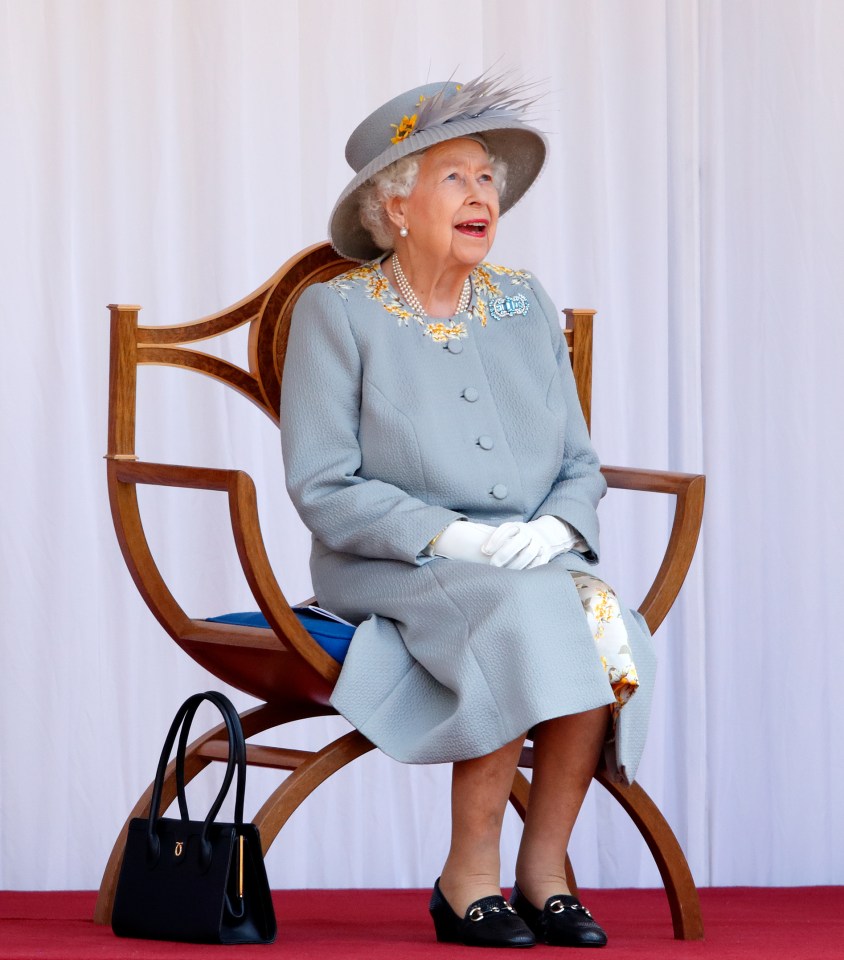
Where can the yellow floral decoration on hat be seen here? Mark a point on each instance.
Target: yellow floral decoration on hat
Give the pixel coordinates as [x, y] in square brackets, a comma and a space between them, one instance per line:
[403, 129]
[408, 124]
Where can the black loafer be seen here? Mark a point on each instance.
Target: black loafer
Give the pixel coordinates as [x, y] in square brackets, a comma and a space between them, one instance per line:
[489, 922]
[562, 922]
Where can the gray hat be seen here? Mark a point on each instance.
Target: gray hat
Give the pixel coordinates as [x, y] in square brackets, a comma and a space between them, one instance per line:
[431, 114]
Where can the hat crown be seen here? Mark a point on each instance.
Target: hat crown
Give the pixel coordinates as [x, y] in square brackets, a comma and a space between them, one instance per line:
[376, 133]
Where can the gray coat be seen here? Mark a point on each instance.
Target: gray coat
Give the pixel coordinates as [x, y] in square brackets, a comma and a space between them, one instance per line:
[393, 427]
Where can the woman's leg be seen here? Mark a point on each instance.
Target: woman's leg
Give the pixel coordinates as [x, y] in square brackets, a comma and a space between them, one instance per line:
[566, 751]
[480, 789]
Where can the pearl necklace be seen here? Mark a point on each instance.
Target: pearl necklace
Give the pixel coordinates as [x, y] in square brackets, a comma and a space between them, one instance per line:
[412, 300]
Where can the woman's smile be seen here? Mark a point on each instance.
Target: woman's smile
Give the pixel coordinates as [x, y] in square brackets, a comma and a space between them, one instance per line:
[473, 228]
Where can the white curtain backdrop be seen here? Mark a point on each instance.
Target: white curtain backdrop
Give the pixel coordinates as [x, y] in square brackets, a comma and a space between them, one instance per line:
[173, 153]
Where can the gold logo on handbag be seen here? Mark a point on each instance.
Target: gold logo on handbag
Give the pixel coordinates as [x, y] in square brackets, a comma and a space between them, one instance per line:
[179, 847]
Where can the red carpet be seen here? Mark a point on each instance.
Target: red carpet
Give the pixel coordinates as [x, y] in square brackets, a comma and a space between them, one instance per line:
[805, 923]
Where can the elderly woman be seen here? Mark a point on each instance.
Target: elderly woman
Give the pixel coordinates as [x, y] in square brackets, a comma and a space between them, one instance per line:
[435, 447]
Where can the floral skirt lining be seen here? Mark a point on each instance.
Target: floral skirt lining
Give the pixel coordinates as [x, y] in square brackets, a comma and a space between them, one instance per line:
[603, 614]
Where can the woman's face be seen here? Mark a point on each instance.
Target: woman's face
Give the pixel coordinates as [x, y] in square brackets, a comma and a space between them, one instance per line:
[452, 212]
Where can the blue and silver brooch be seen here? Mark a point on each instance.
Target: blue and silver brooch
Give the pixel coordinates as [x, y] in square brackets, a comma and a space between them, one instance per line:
[516, 306]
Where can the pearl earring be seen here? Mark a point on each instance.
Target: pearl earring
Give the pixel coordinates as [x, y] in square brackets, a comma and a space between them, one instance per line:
[403, 232]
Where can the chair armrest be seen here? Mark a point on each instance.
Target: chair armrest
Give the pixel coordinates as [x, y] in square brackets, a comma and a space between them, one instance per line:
[243, 502]
[251, 550]
[689, 489]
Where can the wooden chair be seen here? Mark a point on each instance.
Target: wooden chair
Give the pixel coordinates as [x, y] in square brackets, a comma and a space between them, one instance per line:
[283, 666]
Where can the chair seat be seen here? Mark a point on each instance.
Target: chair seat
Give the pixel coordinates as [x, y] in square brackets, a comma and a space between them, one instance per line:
[334, 637]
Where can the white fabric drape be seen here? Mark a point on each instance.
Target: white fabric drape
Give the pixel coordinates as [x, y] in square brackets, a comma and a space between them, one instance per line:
[174, 152]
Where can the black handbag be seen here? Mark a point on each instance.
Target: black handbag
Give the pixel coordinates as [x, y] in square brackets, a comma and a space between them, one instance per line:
[190, 880]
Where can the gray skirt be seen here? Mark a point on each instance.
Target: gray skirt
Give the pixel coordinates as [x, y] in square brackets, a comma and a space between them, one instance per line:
[451, 660]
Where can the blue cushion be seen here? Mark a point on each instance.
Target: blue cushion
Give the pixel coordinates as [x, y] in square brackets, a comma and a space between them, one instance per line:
[332, 636]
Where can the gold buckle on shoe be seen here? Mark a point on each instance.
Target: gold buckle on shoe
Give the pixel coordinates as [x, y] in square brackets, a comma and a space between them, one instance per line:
[476, 914]
[557, 906]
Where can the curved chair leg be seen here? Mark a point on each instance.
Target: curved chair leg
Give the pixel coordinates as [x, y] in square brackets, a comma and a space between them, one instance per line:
[254, 721]
[667, 853]
[677, 879]
[284, 800]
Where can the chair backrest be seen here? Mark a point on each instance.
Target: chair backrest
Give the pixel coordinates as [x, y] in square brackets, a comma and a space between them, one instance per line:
[267, 311]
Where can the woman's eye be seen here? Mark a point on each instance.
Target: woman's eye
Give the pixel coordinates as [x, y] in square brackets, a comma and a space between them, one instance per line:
[452, 176]
[485, 178]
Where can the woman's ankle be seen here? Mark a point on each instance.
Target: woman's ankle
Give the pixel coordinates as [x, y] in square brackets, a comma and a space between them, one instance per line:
[539, 885]
[462, 887]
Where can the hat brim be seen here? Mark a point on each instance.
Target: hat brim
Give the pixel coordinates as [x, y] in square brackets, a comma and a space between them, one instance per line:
[521, 147]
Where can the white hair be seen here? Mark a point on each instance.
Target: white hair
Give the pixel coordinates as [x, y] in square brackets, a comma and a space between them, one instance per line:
[398, 180]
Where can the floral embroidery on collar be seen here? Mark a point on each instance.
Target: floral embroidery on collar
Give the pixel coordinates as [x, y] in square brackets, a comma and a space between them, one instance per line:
[440, 331]
[484, 289]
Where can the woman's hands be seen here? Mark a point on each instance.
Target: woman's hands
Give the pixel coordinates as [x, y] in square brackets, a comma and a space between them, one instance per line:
[515, 545]
[462, 540]
[520, 546]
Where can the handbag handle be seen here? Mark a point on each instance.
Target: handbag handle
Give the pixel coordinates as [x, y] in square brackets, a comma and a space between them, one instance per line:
[236, 761]
[237, 756]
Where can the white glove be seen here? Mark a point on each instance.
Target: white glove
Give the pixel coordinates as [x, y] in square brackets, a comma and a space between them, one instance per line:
[516, 546]
[462, 540]
[521, 546]
[561, 536]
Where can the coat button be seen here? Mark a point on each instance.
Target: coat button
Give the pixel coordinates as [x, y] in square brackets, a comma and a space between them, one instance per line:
[455, 346]
[499, 491]
[470, 394]
[486, 443]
